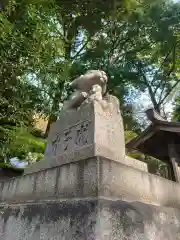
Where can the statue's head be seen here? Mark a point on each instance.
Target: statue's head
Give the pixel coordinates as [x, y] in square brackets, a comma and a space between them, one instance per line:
[90, 78]
[96, 88]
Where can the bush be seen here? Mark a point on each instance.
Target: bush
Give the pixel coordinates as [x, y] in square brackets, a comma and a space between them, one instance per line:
[129, 135]
[24, 142]
[18, 142]
[34, 157]
[37, 133]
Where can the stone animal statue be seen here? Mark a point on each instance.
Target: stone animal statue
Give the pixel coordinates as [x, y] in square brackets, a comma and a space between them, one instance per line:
[88, 87]
[95, 94]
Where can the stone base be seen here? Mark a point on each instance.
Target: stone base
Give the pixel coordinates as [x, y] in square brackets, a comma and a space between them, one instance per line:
[48, 163]
[93, 177]
[88, 220]
[91, 199]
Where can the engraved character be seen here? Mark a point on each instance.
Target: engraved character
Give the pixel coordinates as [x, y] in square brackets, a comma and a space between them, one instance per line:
[55, 143]
[67, 139]
[82, 135]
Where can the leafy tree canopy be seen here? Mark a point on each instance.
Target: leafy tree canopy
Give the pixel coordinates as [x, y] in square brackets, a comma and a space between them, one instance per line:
[45, 44]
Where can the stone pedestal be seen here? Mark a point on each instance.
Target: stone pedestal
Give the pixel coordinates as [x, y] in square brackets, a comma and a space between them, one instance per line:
[87, 188]
[89, 219]
[92, 199]
[93, 130]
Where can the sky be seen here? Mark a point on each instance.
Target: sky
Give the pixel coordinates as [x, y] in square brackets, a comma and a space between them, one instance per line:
[144, 99]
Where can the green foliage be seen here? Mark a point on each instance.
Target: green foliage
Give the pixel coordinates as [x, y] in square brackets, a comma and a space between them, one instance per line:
[37, 133]
[136, 53]
[176, 112]
[53, 41]
[4, 142]
[32, 157]
[129, 135]
[158, 167]
[20, 142]
[18, 96]
[24, 142]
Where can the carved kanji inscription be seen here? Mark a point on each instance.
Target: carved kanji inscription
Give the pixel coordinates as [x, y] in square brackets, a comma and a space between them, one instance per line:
[71, 138]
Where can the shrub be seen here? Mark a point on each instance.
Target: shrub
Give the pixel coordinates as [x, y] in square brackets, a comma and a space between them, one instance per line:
[18, 142]
[37, 133]
[24, 142]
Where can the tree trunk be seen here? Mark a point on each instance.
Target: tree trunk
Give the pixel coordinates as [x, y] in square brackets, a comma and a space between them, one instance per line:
[52, 118]
[152, 96]
[157, 108]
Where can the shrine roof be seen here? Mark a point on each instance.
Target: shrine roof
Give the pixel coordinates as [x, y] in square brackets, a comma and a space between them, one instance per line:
[154, 141]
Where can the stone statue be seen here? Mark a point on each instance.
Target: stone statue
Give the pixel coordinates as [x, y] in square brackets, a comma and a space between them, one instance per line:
[88, 87]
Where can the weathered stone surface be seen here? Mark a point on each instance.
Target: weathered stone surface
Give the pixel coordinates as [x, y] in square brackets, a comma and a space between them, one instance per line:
[109, 132]
[92, 178]
[6, 173]
[93, 130]
[79, 179]
[18, 188]
[88, 87]
[89, 220]
[132, 162]
[137, 221]
[45, 185]
[88, 132]
[122, 182]
[48, 221]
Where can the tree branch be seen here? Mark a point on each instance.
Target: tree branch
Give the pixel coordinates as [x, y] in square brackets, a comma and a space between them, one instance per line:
[174, 60]
[167, 94]
[167, 75]
[117, 41]
[160, 97]
[81, 49]
[150, 90]
[165, 59]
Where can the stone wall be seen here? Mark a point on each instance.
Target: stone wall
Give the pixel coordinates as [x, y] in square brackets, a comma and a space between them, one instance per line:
[91, 199]
[137, 221]
[92, 177]
[7, 173]
[88, 220]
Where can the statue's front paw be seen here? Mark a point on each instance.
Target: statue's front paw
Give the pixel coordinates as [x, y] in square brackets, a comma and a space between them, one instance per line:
[84, 94]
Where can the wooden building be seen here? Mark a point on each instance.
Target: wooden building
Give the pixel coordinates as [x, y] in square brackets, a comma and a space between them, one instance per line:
[160, 140]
